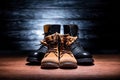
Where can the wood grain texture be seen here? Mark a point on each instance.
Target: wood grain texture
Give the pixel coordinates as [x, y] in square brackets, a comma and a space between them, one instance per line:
[106, 67]
[55, 3]
[21, 22]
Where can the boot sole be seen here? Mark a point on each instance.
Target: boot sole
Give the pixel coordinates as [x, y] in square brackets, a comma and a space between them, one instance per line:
[32, 60]
[85, 61]
[68, 65]
[49, 65]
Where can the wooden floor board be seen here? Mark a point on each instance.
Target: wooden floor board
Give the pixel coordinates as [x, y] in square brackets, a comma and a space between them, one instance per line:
[105, 67]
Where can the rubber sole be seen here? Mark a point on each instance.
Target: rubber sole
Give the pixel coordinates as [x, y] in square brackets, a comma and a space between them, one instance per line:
[85, 61]
[68, 65]
[32, 60]
[49, 65]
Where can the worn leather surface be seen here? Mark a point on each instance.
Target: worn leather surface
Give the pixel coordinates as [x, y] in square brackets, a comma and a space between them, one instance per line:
[79, 52]
[51, 57]
[67, 57]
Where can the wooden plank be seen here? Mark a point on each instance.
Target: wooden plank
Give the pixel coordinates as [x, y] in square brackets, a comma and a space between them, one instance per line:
[51, 13]
[54, 3]
[28, 45]
[37, 24]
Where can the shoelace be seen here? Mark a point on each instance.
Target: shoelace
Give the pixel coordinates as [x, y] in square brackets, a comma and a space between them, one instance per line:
[54, 50]
[65, 52]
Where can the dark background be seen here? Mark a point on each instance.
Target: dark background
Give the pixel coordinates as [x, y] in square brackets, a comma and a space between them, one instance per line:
[21, 23]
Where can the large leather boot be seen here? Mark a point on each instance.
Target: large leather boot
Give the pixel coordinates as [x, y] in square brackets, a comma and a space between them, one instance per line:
[82, 56]
[50, 59]
[37, 56]
[67, 59]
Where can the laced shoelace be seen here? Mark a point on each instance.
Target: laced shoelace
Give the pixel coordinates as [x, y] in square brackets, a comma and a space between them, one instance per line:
[65, 52]
[54, 50]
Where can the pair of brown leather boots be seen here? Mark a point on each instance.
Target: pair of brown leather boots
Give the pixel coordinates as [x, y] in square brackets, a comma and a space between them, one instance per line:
[58, 54]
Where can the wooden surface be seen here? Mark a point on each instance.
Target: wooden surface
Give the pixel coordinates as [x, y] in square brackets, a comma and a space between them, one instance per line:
[16, 68]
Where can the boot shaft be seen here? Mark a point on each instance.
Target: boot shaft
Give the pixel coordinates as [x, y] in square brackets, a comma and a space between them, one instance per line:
[71, 29]
[51, 29]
